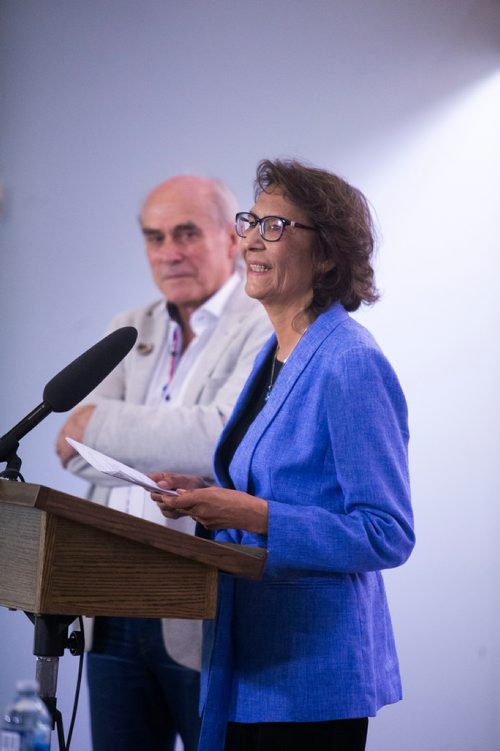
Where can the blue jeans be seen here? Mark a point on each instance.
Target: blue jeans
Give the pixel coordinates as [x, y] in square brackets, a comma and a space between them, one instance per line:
[139, 697]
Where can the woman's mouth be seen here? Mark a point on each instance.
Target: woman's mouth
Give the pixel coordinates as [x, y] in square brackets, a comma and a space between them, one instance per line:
[258, 268]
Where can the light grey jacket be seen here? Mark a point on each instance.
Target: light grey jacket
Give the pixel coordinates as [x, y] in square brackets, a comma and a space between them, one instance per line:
[179, 437]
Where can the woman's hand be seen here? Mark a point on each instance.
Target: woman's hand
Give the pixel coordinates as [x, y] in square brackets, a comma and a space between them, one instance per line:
[216, 508]
[172, 481]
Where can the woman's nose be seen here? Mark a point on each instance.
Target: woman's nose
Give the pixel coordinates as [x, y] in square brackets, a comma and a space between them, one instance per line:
[253, 239]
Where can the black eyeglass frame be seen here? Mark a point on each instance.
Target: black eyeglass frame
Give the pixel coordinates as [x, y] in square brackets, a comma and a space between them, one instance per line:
[258, 221]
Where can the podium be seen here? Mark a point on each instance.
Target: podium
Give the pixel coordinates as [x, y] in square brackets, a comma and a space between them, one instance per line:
[64, 555]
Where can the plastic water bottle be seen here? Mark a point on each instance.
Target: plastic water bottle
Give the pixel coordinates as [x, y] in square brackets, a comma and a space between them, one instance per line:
[26, 724]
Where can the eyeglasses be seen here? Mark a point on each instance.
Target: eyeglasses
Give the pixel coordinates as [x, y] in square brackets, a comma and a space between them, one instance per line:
[270, 227]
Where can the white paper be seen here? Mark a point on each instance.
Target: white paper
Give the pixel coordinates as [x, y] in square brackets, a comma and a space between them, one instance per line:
[110, 466]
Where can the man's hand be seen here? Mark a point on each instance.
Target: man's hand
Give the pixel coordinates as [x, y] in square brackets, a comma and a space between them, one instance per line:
[74, 427]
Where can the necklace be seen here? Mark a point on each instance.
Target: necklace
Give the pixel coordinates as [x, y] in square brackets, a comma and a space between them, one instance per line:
[273, 367]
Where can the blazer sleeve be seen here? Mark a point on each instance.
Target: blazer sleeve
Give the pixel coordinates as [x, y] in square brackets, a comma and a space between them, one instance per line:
[368, 433]
[181, 437]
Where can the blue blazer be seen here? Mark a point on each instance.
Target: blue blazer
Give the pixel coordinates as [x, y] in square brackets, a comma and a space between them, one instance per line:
[313, 640]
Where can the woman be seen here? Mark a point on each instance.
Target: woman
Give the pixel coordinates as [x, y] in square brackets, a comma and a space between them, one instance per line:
[312, 466]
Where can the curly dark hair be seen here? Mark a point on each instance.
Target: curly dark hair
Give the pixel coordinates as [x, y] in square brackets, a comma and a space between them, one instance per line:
[345, 236]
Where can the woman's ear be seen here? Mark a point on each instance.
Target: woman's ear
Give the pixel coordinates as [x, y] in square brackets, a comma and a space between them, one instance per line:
[327, 265]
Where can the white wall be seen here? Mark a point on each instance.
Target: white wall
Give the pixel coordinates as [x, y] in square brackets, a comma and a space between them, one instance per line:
[99, 102]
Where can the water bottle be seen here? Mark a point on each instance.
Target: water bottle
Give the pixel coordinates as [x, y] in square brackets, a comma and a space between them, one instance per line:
[26, 724]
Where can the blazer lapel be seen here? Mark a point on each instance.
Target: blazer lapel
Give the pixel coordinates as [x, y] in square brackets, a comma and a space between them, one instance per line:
[235, 311]
[146, 353]
[220, 469]
[305, 350]
[211, 355]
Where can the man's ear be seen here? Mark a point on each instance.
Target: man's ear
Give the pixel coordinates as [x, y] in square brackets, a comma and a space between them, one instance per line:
[233, 244]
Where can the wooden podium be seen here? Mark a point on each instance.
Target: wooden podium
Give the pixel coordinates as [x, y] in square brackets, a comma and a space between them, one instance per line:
[63, 555]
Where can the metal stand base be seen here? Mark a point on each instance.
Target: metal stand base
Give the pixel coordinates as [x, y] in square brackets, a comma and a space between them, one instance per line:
[50, 641]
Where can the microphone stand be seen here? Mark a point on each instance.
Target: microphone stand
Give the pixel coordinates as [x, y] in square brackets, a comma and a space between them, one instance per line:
[51, 631]
[13, 469]
[51, 639]
[61, 393]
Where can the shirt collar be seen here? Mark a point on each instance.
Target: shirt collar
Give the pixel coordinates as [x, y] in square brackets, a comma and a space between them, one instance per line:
[211, 310]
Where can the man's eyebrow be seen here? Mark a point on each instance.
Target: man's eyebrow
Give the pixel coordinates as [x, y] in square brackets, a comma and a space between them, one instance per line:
[185, 226]
[151, 231]
[178, 228]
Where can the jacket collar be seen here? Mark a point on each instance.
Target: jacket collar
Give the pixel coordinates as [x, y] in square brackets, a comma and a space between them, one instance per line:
[305, 349]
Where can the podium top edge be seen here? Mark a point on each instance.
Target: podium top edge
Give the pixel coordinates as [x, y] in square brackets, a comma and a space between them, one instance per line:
[240, 560]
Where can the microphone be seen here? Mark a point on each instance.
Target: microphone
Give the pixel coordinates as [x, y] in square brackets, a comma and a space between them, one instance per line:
[73, 383]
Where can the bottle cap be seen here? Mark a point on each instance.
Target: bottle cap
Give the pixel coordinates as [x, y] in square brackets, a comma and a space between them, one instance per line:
[27, 686]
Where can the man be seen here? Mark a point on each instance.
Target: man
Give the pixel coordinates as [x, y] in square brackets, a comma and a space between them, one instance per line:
[165, 406]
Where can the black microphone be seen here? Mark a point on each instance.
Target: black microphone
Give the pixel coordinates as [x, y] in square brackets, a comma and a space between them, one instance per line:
[73, 383]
